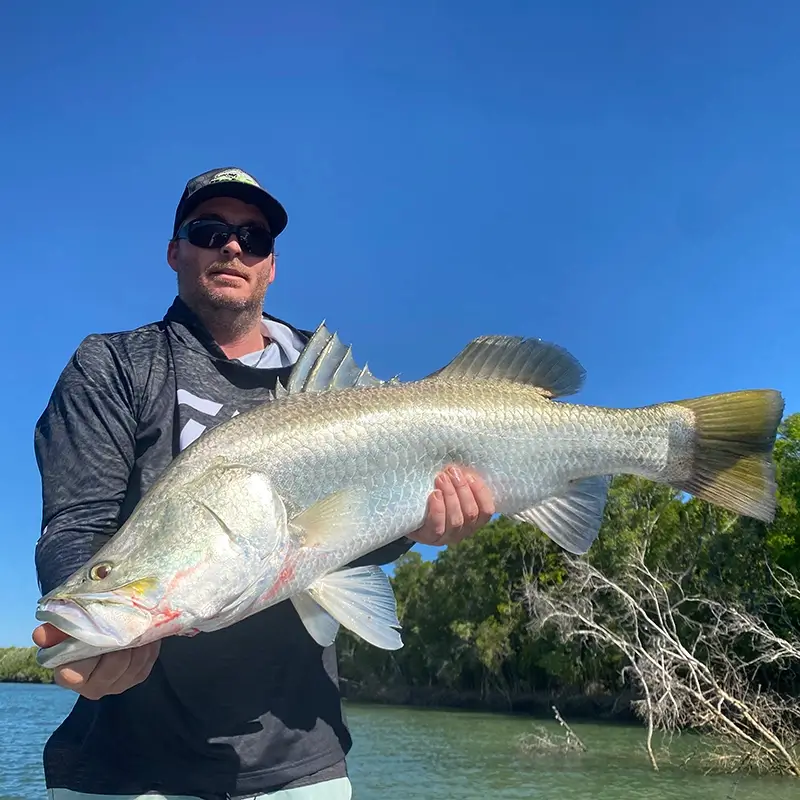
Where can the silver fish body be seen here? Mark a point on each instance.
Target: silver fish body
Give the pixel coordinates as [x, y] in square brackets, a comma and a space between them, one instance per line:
[273, 505]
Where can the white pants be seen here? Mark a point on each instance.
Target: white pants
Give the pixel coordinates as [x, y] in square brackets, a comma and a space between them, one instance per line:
[336, 789]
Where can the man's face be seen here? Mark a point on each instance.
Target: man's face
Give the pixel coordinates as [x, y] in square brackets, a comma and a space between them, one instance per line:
[225, 277]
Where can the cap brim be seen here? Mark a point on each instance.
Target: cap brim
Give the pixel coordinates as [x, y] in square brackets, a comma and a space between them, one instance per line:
[272, 210]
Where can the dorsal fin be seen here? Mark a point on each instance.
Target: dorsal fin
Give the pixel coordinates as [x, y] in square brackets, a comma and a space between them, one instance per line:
[326, 363]
[548, 367]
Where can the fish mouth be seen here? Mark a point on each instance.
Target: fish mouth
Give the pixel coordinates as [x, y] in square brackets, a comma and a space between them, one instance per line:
[68, 651]
[100, 622]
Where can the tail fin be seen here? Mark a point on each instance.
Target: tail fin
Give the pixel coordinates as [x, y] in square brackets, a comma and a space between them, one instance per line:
[734, 434]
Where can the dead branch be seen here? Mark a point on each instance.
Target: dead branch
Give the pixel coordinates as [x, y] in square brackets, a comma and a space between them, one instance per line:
[694, 660]
[572, 737]
[542, 742]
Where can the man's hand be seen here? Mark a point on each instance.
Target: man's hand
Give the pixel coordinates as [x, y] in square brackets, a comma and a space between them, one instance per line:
[459, 506]
[95, 677]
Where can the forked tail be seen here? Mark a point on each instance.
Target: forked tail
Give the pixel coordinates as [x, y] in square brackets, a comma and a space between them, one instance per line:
[730, 451]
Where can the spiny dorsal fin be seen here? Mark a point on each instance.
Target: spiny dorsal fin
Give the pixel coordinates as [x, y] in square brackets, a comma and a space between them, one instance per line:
[326, 363]
[550, 368]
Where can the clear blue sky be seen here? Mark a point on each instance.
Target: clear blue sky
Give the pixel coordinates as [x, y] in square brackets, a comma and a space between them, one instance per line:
[619, 177]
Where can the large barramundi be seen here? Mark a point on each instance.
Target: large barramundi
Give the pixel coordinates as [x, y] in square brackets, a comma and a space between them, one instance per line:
[274, 504]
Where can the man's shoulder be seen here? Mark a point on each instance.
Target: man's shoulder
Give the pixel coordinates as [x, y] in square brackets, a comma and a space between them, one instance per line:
[116, 358]
[146, 337]
[147, 332]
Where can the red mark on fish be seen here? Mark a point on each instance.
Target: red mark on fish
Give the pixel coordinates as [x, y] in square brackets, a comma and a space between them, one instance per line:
[286, 574]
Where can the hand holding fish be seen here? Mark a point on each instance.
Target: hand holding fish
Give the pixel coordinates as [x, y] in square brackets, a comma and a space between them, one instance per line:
[98, 676]
[459, 507]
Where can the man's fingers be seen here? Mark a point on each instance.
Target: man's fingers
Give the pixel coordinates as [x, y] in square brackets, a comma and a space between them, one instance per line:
[452, 504]
[74, 676]
[483, 499]
[437, 514]
[46, 635]
[142, 662]
[460, 505]
[468, 506]
[108, 671]
[435, 520]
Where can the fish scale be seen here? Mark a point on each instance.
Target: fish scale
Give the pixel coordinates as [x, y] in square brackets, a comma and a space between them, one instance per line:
[274, 505]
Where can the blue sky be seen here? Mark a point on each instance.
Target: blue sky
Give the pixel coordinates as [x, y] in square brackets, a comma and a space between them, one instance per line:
[622, 178]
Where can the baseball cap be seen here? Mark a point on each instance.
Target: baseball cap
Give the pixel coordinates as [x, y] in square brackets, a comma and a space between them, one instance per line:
[230, 182]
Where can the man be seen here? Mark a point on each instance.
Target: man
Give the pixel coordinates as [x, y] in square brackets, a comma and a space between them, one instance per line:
[253, 709]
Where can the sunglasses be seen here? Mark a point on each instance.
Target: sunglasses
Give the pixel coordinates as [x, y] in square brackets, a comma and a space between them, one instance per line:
[214, 233]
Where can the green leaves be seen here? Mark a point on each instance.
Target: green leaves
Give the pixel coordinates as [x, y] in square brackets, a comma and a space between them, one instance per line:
[783, 537]
[19, 665]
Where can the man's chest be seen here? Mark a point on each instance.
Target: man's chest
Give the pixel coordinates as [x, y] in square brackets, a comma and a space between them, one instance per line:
[207, 395]
[196, 396]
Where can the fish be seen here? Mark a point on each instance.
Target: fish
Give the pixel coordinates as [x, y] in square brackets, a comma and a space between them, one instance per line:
[276, 504]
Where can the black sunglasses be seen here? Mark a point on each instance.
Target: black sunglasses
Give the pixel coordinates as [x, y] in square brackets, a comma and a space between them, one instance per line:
[214, 233]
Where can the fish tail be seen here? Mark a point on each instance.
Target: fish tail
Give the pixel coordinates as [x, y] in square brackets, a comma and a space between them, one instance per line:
[729, 459]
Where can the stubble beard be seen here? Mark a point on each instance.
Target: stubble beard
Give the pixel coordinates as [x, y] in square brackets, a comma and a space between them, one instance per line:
[237, 314]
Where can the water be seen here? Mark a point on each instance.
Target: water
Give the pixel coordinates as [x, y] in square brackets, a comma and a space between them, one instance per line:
[400, 752]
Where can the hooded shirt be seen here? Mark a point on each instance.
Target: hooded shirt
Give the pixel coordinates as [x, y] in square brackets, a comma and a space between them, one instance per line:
[250, 708]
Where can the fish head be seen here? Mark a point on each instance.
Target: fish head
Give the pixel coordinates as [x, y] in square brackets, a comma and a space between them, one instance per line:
[185, 555]
[98, 610]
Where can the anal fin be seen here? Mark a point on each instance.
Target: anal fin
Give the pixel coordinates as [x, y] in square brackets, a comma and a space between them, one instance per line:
[360, 598]
[572, 519]
[321, 626]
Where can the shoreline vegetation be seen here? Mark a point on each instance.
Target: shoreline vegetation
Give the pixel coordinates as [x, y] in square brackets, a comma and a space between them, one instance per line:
[18, 665]
[574, 705]
[681, 617]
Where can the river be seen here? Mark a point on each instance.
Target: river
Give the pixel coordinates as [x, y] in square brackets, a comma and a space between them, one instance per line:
[431, 754]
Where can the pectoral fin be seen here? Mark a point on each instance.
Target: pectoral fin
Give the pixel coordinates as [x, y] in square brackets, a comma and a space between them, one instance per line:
[360, 598]
[331, 519]
[573, 519]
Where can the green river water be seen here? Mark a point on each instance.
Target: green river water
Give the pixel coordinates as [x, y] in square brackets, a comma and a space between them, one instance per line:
[432, 754]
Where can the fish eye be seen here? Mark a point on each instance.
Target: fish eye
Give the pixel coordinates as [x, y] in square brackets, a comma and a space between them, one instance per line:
[100, 571]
